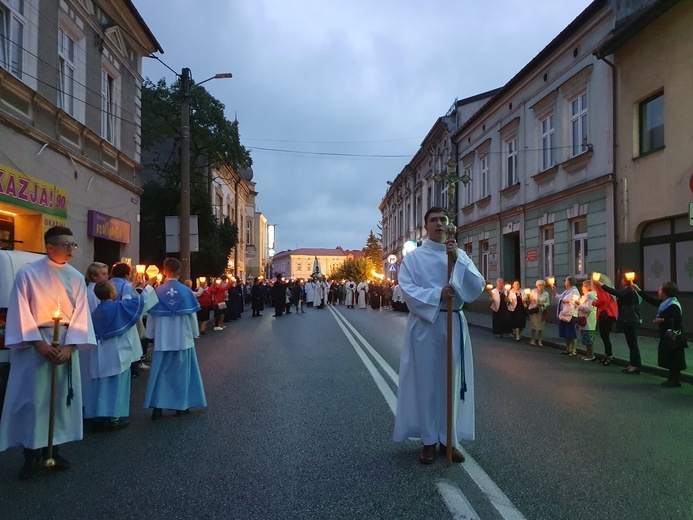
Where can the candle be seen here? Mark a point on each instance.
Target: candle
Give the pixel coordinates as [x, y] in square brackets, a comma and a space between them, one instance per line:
[140, 268]
[527, 291]
[159, 277]
[489, 286]
[57, 317]
[203, 279]
[551, 280]
[596, 276]
[630, 276]
[507, 287]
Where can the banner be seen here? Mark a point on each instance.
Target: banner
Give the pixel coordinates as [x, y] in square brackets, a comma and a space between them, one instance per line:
[20, 189]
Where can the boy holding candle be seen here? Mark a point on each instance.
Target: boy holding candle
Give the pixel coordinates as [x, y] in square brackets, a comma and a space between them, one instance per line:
[40, 290]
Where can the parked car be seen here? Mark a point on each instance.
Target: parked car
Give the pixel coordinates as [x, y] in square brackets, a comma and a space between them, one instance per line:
[10, 263]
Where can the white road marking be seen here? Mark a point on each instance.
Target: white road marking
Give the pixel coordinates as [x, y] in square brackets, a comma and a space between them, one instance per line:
[457, 503]
[454, 498]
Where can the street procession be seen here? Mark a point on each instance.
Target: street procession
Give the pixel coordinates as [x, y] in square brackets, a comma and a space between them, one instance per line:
[256, 264]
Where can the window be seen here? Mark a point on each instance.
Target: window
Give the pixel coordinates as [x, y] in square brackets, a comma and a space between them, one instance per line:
[511, 163]
[401, 223]
[248, 231]
[483, 258]
[429, 197]
[485, 177]
[469, 249]
[547, 142]
[407, 217]
[12, 36]
[578, 124]
[66, 63]
[417, 211]
[579, 228]
[651, 123]
[547, 242]
[108, 119]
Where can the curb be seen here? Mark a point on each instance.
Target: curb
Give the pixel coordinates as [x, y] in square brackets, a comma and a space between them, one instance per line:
[658, 371]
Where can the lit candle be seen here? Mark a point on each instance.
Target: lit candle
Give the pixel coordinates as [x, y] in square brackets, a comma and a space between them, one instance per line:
[507, 287]
[140, 268]
[159, 277]
[489, 286]
[57, 318]
[527, 291]
[596, 276]
[203, 279]
[630, 276]
[551, 280]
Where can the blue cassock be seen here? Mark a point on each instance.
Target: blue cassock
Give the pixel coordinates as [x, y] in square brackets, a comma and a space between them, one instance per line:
[175, 299]
[113, 318]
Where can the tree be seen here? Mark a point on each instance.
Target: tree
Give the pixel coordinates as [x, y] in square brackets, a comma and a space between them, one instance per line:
[358, 269]
[214, 141]
[374, 250]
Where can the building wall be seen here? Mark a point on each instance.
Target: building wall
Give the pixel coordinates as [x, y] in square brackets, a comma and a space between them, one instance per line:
[63, 151]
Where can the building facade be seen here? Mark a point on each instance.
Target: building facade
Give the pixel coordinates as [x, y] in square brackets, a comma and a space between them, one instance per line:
[650, 50]
[298, 263]
[540, 158]
[70, 90]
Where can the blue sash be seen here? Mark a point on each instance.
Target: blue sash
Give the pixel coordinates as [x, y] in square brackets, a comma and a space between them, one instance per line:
[114, 318]
[175, 299]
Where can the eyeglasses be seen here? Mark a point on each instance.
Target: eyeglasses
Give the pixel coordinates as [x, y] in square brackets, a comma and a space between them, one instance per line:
[65, 245]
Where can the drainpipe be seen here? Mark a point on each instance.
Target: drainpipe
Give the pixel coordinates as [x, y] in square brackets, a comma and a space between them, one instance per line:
[614, 98]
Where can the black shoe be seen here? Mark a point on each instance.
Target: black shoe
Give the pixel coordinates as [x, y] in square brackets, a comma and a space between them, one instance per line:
[117, 424]
[181, 413]
[607, 361]
[671, 383]
[631, 371]
[32, 464]
[156, 414]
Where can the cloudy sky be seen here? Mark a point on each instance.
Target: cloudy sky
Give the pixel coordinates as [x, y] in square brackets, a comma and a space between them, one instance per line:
[334, 98]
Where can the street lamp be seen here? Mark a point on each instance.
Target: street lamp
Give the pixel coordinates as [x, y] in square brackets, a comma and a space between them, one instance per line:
[185, 170]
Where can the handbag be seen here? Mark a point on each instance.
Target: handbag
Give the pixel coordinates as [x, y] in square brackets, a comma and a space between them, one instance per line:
[533, 310]
[582, 321]
[221, 306]
[674, 339]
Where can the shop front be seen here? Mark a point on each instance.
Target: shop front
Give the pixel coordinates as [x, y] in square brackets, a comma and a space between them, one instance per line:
[28, 207]
[109, 234]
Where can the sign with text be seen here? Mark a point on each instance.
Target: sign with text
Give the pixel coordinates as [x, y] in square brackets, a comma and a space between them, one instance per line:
[532, 255]
[173, 234]
[20, 189]
[105, 226]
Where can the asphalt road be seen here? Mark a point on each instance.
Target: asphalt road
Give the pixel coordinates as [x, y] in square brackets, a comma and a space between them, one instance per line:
[299, 426]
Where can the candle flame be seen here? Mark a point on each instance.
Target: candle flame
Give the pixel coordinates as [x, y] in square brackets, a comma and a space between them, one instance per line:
[596, 276]
[630, 276]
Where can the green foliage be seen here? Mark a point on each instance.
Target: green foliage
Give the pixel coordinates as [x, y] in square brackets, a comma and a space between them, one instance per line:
[214, 141]
[357, 269]
[374, 250]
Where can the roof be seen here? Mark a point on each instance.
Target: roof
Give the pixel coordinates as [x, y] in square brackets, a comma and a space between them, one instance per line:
[632, 26]
[133, 10]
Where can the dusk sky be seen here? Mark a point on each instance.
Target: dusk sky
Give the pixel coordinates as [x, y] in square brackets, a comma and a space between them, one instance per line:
[334, 98]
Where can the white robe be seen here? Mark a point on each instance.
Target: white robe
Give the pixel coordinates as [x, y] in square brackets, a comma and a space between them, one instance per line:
[37, 290]
[350, 292]
[422, 393]
[397, 295]
[310, 292]
[362, 290]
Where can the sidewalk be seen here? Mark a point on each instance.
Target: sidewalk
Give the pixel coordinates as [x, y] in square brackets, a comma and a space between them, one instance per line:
[648, 346]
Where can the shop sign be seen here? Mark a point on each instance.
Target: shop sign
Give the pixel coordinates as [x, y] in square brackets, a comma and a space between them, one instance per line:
[532, 255]
[110, 228]
[49, 222]
[20, 189]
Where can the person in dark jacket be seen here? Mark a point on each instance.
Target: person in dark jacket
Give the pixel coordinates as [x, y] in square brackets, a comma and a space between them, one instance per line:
[257, 297]
[670, 353]
[279, 296]
[629, 319]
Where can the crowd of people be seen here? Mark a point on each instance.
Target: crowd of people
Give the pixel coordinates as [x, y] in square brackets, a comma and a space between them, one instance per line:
[592, 309]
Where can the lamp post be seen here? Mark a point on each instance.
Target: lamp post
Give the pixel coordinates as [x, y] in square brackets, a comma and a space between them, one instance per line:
[185, 170]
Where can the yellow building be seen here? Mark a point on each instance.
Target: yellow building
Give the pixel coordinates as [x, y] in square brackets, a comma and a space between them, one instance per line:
[651, 52]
